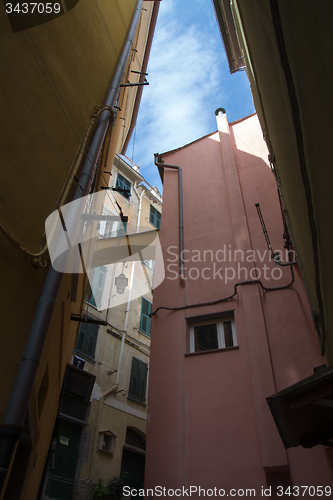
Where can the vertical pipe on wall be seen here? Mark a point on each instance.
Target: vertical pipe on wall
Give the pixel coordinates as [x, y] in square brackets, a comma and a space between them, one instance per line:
[10, 429]
[159, 163]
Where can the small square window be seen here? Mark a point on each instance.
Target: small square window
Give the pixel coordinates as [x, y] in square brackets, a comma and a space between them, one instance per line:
[212, 335]
[107, 441]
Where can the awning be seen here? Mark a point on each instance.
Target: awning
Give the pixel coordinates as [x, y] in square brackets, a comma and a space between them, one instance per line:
[303, 412]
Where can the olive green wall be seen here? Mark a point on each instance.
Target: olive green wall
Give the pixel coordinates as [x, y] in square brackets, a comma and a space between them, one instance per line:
[52, 77]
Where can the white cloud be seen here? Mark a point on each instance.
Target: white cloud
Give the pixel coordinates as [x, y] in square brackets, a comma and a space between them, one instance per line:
[185, 77]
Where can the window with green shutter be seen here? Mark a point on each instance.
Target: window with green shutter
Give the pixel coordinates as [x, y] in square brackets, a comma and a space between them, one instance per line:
[86, 340]
[145, 320]
[122, 227]
[96, 287]
[124, 185]
[155, 217]
[138, 380]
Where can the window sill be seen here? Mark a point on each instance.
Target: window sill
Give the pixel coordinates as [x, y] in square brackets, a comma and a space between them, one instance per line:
[106, 452]
[91, 305]
[124, 196]
[132, 398]
[145, 334]
[84, 356]
[213, 350]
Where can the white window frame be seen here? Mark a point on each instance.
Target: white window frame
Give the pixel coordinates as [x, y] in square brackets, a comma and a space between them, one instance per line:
[220, 333]
[102, 224]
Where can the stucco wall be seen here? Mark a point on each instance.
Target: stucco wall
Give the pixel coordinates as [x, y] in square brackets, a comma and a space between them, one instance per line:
[209, 424]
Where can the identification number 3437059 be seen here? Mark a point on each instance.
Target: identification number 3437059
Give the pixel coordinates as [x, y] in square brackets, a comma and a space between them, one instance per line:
[32, 7]
[301, 491]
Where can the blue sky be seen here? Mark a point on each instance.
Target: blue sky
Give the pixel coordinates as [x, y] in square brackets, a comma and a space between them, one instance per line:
[189, 79]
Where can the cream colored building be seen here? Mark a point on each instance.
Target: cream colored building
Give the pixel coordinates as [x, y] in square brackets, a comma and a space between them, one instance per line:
[118, 353]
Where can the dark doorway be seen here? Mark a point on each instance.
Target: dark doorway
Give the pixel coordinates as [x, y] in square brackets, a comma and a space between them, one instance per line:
[133, 460]
[62, 461]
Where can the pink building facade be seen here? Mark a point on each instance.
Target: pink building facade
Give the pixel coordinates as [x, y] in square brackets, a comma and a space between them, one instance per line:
[220, 346]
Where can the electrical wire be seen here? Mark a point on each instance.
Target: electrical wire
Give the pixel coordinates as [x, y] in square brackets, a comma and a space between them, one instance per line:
[224, 299]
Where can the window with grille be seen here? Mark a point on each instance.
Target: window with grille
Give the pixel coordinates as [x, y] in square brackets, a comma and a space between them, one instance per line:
[138, 380]
[145, 320]
[155, 217]
[124, 186]
[211, 335]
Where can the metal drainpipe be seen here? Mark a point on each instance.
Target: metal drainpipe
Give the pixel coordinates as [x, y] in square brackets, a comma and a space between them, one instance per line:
[11, 428]
[133, 264]
[159, 163]
[130, 293]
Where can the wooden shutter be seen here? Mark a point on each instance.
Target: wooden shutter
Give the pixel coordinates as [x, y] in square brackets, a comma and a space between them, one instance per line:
[122, 229]
[152, 215]
[90, 293]
[87, 338]
[123, 183]
[120, 182]
[155, 217]
[145, 320]
[158, 219]
[134, 377]
[100, 285]
[80, 340]
[97, 287]
[143, 368]
[138, 380]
